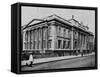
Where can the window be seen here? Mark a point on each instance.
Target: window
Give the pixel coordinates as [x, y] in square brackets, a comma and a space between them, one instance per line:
[68, 45]
[64, 32]
[59, 44]
[59, 30]
[69, 34]
[25, 45]
[75, 44]
[64, 44]
[74, 35]
[49, 43]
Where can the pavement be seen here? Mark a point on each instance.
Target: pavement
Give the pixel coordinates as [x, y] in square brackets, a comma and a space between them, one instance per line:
[43, 60]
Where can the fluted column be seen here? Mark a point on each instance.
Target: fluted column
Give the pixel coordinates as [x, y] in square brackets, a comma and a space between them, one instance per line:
[30, 39]
[35, 41]
[24, 40]
[72, 39]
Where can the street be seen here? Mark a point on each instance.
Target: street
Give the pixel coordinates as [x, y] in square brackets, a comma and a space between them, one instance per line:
[86, 61]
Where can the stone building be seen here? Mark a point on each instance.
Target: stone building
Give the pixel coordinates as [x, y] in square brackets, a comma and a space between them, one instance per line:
[54, 33]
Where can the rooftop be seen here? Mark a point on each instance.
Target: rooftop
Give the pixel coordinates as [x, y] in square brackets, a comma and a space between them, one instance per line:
[71, 21]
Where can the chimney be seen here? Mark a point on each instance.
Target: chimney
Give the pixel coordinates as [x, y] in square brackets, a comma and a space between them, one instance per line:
[72, 16]
[82, 23]
[87, 27]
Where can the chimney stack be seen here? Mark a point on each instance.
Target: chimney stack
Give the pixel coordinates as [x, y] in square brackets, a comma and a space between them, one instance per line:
[72, 16]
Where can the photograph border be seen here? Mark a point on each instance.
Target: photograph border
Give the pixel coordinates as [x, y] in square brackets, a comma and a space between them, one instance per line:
[19, 38]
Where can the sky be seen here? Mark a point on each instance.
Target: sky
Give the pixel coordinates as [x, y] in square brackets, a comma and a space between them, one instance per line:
[85, 16]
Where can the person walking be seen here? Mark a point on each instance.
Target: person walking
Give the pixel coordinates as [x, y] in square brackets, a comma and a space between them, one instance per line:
[31, 59]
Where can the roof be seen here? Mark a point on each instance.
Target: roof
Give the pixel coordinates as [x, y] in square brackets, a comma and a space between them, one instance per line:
[71, 22]
[78, 24]
[51, 17]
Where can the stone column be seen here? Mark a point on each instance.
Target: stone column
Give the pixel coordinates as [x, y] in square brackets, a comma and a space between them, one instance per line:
[33, 39]
[28, 40]
[47, 38]
[42, 38]
[53, 33]
[24, 41]
[77, 40]
[81, 45]
[72, 39]
[39, 38]
[85, 42]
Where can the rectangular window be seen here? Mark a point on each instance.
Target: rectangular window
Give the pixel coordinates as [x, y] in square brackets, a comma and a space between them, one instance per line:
[68, 45]
[25, 46]
[59, 44]
[64, 34]
[49, 43]
[64, 44]
[69, 34]
[75, 44]
[59, 30]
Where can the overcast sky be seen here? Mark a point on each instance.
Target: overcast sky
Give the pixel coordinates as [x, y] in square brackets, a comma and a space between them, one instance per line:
[86, 16]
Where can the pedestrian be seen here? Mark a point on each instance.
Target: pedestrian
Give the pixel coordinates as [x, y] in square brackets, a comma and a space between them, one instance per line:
[31, 59]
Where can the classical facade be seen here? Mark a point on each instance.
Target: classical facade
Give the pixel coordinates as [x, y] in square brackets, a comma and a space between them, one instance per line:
[56, 34]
